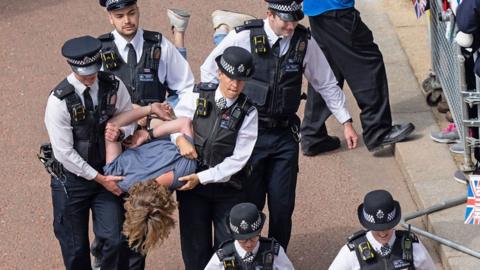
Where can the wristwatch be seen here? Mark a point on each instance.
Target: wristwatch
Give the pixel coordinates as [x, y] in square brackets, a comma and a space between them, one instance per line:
[150, 134]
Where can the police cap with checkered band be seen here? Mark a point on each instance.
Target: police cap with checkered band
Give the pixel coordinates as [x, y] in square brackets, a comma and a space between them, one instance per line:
[83, 54]
[236, 63]
[116, 4]
[379, 212]
[287, 10]
[245, 221]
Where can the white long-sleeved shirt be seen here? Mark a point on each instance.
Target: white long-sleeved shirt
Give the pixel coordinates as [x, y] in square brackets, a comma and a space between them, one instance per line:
[280, 261]
[173, 69]
[246, 138]
[60, 131]
[347, 260]
[316, 68]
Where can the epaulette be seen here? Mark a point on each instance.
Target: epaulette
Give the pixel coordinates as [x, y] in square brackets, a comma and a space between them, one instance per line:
[203, 86]
[63, 89]
[226, 249]
[274, 243]
[106, 37]
[151, 36]
[353, 237]
[255, 23]
[302, 28]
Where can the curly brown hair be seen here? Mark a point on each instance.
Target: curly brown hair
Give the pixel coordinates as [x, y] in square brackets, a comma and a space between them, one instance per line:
[148, 217]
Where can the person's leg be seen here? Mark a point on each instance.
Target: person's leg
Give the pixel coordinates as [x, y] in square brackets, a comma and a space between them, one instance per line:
[350, 44]
[108, 217]
[282, 180]
[179, 22]
[225, 199]
[70, 219]
[195, 220]
[224, 21]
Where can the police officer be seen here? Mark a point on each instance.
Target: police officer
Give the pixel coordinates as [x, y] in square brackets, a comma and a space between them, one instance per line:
[349, 47]
[382, 247]
[225, 131]
[282, 53]
[76, 115]
[248, 250]
[148, 63]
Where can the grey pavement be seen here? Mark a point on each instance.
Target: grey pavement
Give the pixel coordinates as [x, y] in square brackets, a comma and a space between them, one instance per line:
[329, 186]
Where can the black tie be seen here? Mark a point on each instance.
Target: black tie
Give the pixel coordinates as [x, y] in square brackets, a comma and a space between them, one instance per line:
[385, 250]
[276, 48]
[88, 100]
[132, 55]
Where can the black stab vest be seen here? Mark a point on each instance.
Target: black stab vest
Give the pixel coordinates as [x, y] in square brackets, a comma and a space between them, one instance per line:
[275, 87]
[142, 80]
[393, 261]
[268, 247]
[215, 134]
[89, 127]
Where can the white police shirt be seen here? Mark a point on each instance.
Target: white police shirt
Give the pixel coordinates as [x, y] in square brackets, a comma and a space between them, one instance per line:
[247, 136]
[173, 69]
[316, 68]
[59, 128]
[347, 260]
[280, 261]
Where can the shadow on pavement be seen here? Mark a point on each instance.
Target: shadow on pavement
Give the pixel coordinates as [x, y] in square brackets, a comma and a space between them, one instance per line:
[316, 251]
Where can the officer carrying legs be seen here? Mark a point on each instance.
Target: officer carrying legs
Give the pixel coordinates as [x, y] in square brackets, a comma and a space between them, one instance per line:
[382, 247]
[225, 131]
[283, 53]
[76, 115]
[354, 57]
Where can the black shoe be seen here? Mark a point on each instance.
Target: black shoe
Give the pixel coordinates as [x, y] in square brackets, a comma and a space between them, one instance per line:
[397, 134]
[330, 143]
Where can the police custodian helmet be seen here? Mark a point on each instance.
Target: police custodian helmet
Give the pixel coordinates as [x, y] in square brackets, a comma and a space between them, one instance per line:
[116, 4]
[83, 55]
[287, 10]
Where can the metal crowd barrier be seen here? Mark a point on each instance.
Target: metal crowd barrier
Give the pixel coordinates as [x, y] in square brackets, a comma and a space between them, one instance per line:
[448, 67]
[448, 72]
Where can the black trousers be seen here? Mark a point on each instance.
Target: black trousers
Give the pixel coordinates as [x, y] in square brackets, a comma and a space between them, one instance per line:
[275, 168]
[351, 52]
[70, 223]
[198, 210]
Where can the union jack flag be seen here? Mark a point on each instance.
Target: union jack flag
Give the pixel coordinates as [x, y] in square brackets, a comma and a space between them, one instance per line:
[472, 214]
[420, 7]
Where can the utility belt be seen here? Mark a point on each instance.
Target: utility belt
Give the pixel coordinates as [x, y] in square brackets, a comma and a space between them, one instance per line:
[338, 13]
[272, 123]
[52, 165]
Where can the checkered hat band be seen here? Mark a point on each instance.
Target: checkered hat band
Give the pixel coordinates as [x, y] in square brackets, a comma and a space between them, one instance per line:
[229, 68]
[254, 226]
[285, 8]
[109, 2]
[371, 219]
[85, 61]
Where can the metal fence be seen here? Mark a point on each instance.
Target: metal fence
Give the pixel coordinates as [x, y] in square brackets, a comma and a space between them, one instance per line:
[448, 65]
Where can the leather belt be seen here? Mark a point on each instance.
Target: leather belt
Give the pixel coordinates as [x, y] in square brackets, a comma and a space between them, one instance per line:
[268, 123]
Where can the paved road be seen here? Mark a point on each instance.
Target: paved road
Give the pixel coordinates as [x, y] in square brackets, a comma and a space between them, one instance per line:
[329, 187]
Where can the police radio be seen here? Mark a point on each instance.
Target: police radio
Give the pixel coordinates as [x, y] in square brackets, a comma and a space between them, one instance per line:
[203, 107]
